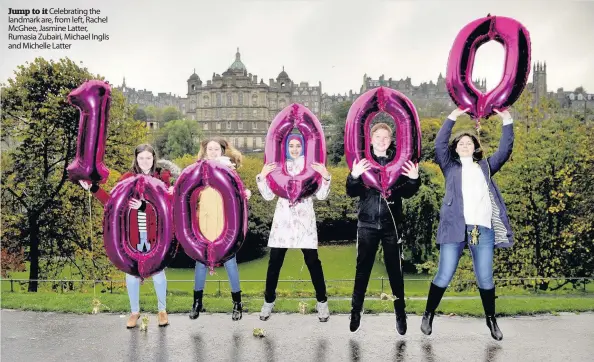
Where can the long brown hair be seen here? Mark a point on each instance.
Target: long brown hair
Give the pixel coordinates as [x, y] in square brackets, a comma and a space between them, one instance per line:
[141, 148]
[226, 150]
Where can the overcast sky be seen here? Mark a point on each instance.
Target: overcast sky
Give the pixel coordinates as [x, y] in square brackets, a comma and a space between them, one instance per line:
[156, 44]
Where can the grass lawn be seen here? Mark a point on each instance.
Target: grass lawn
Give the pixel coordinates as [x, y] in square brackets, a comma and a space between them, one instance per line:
[118, 303]
[338, 263]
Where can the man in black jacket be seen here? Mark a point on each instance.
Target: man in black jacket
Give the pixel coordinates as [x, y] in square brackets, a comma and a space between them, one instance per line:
[378, 218]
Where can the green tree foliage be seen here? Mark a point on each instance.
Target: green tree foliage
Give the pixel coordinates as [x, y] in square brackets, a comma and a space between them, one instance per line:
[178, 138]
[42, 211]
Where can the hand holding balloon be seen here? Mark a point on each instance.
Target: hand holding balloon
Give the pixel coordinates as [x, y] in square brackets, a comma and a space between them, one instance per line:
[411, 170]
[321, 169]
[457, 113]
[267, 169]
[85, 185]
[135, 204]
[360, 167]
[505, 115]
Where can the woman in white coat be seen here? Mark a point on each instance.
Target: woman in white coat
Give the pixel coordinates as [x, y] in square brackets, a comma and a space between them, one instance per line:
[294, 227]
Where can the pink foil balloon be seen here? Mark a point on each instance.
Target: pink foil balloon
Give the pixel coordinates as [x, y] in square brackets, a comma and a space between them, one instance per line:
[308, 181]
[357, 135]
[187, 189]
[516, 41]
[93, 99]
[116, 221]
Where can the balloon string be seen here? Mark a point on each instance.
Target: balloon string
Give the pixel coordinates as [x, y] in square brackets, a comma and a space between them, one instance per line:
[91, 240]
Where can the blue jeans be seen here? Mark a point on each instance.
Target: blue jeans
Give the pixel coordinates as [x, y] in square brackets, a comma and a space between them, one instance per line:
[133, 285]
[482, 259]
[232, 273]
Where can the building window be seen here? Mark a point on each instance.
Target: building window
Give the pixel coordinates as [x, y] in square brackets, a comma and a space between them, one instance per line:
[239, 125]
[205, 126]
[218, 113]
[255, 100]
[229, 99]
[228, 125]
[218, 125]
[205, 99]
[240, 98]
[254, 125]
[306, 104]
[219, 99]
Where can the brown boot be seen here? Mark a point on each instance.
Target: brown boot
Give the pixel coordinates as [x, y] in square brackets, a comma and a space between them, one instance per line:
[132, 320]
[163, 321]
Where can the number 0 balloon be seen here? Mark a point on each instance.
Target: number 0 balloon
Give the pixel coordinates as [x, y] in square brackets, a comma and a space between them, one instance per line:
[515, 39]
[357, 135]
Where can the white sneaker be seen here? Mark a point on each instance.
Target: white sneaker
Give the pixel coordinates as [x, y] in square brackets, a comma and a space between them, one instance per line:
[266, 311]
[323, 311]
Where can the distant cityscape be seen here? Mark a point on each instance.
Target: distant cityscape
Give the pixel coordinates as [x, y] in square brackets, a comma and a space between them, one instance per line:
[238, 106]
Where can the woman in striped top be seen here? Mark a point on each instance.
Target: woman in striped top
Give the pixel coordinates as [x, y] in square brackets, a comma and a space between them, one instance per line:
[472, 213]
[142, 229]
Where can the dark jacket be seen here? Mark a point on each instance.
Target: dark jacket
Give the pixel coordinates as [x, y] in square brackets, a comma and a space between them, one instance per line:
[373, 209]
[452, 227]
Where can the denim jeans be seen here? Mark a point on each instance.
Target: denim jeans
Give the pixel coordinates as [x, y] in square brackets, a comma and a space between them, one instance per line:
[232, 273]
[482, 259]
[133, 285]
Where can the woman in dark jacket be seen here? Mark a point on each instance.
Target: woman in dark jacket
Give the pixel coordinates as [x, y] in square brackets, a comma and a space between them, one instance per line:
[472, 212]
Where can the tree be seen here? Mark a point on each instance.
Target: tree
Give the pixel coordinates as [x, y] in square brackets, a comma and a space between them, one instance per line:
[140, 115]
[336, 123]
[178, 138]
[154, 114]
[549, 192]
[170, 113]
[37, 115]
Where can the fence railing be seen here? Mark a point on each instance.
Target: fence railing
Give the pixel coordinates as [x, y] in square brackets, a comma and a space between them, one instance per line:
[381, 284]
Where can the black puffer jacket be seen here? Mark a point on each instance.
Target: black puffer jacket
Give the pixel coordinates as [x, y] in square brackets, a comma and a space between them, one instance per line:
[373, 209]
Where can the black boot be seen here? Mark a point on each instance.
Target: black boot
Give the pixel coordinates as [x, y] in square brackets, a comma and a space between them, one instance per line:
[355, 320]
[237, 306]
[488, 298]
[399, 306]
[197, 306]
[435, 295]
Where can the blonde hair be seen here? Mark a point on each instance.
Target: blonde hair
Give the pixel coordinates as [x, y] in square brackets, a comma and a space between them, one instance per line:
[379, 126]
[227, 150]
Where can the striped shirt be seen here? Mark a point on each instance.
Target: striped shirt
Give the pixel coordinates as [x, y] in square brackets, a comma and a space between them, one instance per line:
[141, 221]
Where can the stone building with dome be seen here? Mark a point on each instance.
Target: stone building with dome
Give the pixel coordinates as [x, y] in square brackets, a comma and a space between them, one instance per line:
[239, 107]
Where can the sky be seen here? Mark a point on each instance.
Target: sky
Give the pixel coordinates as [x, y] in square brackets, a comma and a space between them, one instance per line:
[157, 44]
